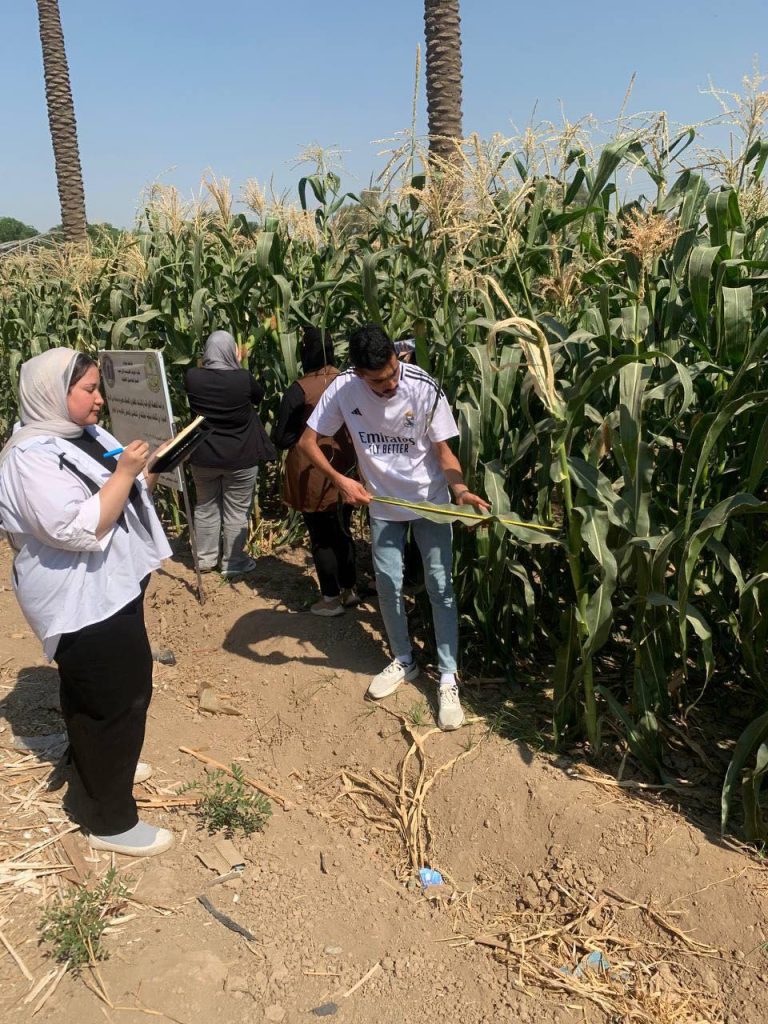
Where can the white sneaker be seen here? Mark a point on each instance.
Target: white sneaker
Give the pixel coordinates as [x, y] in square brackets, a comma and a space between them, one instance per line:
[450, 714]
[142, 773]
[388, 680]
[142, 840]
[328, 609]
[242, 570]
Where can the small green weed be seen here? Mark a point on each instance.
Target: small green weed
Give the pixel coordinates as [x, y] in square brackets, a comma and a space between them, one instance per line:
[519, 724]
[228, 805]
[417, 713]
[74, 926]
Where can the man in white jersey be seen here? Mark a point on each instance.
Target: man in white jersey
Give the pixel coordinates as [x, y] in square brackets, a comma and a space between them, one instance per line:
[400, 423]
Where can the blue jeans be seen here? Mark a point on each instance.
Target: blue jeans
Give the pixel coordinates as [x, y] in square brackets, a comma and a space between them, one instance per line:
[434, 543]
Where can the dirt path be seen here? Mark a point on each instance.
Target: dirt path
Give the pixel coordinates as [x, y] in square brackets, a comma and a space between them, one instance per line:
[530, 849]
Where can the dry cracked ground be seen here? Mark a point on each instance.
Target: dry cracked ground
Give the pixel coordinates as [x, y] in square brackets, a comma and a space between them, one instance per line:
[566, 898]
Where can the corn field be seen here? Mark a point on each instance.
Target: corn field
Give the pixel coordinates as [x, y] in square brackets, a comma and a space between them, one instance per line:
[605, 358]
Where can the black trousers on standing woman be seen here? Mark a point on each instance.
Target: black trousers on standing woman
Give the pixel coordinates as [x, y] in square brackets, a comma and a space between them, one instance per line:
[333, 548]
[106, 686]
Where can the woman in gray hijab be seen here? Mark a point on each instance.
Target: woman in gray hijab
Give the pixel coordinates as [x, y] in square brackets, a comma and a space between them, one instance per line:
[225, 466]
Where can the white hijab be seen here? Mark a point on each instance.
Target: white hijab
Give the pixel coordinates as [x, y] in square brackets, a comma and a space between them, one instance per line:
[43, 387]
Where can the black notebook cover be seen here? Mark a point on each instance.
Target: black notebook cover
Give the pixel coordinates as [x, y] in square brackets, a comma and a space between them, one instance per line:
[182, 446]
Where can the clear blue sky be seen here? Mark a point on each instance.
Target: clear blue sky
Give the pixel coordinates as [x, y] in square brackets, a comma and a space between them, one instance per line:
[168, 88]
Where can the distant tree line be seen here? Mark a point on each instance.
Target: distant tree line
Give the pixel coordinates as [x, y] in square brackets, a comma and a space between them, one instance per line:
[14, 230]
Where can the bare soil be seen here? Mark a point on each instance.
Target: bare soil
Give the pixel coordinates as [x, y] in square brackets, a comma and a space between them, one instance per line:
[545, 860]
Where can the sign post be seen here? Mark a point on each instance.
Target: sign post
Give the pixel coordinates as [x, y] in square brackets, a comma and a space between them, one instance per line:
[140, 407]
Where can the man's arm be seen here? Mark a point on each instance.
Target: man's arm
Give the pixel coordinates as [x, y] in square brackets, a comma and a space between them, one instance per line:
[352, 492]
[452, 471]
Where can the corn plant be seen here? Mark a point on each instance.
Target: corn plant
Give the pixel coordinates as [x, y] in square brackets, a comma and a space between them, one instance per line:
[604, 356]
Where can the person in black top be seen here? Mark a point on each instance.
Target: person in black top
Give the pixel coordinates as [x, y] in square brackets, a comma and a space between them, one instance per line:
[225, 466]
[308, 490]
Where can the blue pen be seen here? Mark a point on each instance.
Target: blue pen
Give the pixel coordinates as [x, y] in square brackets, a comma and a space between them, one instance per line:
[115, 451]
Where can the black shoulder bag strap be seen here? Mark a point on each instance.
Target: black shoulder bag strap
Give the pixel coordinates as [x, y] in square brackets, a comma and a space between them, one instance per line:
[92, 447]
[92, 486]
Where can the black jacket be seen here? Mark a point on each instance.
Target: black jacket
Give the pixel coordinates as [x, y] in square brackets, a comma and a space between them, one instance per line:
[227, 398]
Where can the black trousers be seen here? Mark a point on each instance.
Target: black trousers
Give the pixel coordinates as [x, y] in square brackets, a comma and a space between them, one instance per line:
[333, 549]
[106, 686]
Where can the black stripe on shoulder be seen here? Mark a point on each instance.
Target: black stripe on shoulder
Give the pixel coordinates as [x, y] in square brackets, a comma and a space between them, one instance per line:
[343, 378]
[424, 378]
[415, 371]
[417, 374]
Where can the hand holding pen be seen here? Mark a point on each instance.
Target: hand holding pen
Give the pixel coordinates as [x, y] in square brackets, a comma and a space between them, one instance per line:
[119, 451]
[133, 458]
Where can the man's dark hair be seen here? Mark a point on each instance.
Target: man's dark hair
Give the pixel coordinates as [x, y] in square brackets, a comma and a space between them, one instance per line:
[316, 349]
[83, 363]
[370, 348]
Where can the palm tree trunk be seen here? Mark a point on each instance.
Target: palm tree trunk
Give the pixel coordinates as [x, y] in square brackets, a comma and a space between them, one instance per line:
[442, 29]
[61, 118]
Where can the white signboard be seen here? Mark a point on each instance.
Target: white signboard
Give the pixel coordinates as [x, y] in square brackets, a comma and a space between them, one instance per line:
[139, 402]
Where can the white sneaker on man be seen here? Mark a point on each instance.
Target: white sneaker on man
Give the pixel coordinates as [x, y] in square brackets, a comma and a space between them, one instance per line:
[450, 713]
[388, 680]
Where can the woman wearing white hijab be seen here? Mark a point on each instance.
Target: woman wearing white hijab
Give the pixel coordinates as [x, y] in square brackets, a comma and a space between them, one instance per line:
[86, 538]
[225, 466]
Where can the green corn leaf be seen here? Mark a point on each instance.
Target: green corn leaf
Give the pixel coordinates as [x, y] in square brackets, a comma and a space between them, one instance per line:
[701, 266]
[370, 285]
[734, 322]
[120, 328]
[707, 436]
[747, 745]
[285, 293]
[599, 610]
[758, 152]
[723, 216]
[567, 676]
[599, 488]
[753, 634]
[737, 504]
[469, 436]
[288, 347]
[199, 315]
[494, 488]
[459, 514]
[610, 159]
[263, 256]
[695, 619]
[642, 736]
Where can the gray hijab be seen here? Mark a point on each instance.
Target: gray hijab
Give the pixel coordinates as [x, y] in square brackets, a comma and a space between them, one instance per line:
[221, 352]
[43, 387]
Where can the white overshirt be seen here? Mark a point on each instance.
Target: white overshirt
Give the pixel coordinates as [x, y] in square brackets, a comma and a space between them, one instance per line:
[63, 576]
[394, 437]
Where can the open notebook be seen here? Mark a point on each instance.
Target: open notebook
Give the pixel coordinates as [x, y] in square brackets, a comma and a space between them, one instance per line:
[182, 446]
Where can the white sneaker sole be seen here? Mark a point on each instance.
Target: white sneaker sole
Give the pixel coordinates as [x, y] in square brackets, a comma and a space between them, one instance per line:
[163, 842]
[407, 678]
[331, 613]
[142, 773]
[451, 727]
